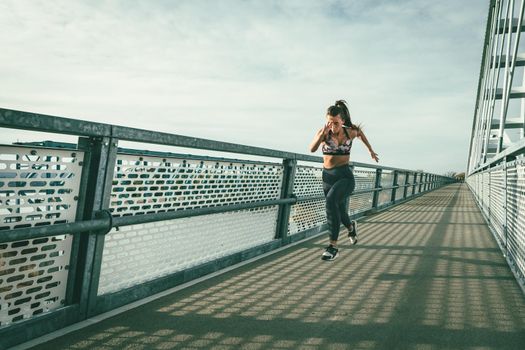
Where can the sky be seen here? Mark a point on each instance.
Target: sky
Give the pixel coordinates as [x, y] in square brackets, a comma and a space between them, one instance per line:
[260, 73]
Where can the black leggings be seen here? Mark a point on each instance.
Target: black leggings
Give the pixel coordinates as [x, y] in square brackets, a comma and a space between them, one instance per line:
[338, 184]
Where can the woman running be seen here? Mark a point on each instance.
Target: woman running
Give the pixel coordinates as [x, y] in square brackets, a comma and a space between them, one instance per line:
[336, 138]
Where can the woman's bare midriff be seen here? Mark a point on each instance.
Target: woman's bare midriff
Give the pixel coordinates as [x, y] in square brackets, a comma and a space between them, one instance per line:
[330, 162]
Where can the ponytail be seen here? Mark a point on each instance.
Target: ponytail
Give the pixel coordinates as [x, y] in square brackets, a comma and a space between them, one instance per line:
[345, 113]
[340, 108]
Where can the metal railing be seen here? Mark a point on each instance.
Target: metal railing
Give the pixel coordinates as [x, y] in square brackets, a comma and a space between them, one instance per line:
[496, 168]
[499, 189]
[89, 227]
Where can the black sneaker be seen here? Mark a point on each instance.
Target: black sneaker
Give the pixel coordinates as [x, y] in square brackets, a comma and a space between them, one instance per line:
[352, 232]
[330, 253]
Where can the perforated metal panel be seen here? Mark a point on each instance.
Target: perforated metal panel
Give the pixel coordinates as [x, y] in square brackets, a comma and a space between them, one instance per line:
[497, 201]
[360, 203]
[401, 178]
[33, 277]
[308, 181]
[310, 214]
[154, 184]
[410, 178]
[364, 179]
[140, 253]
[306, 215]
[38, 186]
[516, 214]
[387, 180]
[501, 194]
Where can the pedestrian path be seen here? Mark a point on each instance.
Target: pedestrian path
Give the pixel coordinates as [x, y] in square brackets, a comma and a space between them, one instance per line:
[426, 274]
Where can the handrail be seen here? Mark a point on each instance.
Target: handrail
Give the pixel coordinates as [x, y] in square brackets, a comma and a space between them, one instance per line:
[514, 150]
[39, 122]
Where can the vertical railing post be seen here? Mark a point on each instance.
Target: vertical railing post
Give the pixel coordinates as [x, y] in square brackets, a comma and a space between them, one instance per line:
[283, 219]
[377, 186]
[405, 189]
[78, 257]
[101, 153]
[414, 181]
[420, 182]
[394, 189]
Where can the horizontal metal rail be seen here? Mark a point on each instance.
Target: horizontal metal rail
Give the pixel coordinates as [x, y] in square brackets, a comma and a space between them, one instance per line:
[39, 122]
[141, 219]
[516, 149]
[107, 223]
[19, 234]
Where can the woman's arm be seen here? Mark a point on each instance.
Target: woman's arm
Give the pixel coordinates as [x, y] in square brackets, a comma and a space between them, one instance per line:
[363, 138]
[319, 137]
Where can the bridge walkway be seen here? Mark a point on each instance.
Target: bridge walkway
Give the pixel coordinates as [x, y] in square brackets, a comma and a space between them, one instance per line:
[426, 274]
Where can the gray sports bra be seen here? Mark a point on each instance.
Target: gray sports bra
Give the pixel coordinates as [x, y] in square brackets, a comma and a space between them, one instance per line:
[331, 148]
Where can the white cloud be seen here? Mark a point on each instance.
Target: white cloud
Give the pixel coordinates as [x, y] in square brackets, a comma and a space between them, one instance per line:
[254, 72]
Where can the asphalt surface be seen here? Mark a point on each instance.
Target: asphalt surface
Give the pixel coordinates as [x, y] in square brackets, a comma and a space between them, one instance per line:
[426, 274]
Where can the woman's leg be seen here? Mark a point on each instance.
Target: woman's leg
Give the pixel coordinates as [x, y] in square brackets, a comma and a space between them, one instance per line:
[343, 206]
[336, 208]
[343, 212]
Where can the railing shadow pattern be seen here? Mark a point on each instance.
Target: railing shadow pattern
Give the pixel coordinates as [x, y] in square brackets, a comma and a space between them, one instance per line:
[426, 274]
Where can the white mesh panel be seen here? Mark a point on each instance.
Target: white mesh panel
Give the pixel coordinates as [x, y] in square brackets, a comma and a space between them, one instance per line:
[516, 214]
[140, 253]
[306, 215]
[360, 203]
[33, 277]
[485, 191]
[409, 187]
[387, 180]
[310, 214]
[155, 184]
[364, 179]
[497, 201]
[308, 181]
[38, 186]
[401, 178]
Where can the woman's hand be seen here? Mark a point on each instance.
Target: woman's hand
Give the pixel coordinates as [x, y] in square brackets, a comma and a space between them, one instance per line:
[326, 130]
[320, 136]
